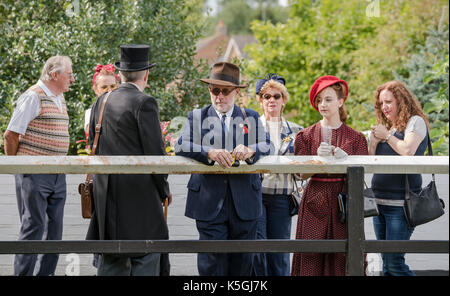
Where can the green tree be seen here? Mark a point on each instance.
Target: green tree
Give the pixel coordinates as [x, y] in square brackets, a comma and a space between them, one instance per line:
[91, 33]
[426, 75]
[238, 14]
[325, 37]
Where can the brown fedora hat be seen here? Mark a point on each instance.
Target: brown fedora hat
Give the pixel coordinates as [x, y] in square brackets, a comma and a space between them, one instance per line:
[225, 74]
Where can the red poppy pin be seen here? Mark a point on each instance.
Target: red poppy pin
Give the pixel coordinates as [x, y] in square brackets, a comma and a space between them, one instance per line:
[244, 128]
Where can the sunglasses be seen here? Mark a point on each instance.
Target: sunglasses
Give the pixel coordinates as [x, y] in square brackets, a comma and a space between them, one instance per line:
[105, 87]
[268, 96]
[225, 91]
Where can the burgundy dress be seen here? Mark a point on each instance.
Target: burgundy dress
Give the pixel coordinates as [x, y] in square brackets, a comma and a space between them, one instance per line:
[318, 214]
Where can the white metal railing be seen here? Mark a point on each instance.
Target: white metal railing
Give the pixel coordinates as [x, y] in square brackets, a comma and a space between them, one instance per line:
[182, 165]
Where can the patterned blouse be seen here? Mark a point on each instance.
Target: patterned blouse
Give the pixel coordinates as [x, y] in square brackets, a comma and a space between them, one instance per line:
[280, 183]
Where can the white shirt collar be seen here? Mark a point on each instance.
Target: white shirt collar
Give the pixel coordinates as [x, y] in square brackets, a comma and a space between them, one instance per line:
[47, 91]
[228, 114]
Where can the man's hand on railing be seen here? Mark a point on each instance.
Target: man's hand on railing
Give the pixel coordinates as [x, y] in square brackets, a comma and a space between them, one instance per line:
[222, 157]
[242, 152]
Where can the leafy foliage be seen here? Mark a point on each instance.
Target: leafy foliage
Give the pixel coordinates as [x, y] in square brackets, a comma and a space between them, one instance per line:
[238, 14]
[91, 33]
[426, 74]
[325, 37]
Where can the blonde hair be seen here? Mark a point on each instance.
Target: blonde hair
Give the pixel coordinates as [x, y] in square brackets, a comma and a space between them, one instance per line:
[104, 72]
[55, 64]
[408, 105]
[277, 85]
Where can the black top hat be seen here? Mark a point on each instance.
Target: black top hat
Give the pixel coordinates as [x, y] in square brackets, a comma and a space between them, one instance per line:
[133, 57]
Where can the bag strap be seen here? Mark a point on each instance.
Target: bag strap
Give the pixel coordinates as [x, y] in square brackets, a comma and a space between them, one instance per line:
[295, 183]
[430, 148]
[365, 185]
[430, 152]
[244, 113]
[97, 130]
[407, 195]
[99, 125]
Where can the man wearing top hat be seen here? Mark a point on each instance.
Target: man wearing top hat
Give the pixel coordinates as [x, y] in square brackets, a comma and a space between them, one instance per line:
[128, 207]
[224, 206]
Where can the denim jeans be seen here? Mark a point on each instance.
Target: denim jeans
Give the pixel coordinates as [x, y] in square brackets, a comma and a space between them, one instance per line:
[274, 223]
[391, 224]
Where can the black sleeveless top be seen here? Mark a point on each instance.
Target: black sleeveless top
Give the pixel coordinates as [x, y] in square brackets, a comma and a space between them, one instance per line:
[392, 186]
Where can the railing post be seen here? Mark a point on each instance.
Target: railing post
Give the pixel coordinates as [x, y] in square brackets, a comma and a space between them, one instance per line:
[355, 222]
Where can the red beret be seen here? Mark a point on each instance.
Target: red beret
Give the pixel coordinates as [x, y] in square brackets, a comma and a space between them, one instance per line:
[324, 82]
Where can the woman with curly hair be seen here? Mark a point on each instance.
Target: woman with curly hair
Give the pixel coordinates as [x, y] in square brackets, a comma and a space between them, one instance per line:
[402, 130]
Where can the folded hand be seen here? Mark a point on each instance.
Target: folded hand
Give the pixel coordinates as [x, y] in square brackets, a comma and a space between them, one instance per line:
[325, 149]
[221, 156]
[242, 152]
[339, 153]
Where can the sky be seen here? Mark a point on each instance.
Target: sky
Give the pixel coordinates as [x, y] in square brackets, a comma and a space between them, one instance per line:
[214, 6]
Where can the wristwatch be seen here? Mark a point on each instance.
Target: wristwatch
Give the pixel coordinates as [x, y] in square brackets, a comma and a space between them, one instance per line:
[388, 136]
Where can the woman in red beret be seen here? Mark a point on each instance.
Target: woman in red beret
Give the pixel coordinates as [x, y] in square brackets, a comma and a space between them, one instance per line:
[318, 213]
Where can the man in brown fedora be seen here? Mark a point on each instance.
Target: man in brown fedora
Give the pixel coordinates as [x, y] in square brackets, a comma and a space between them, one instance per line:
[224, 206]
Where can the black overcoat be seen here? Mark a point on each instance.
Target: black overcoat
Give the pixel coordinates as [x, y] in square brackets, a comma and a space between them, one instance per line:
[128, 207]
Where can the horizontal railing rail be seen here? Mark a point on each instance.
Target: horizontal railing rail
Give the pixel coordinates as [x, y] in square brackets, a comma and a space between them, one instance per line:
[354, 166]
[181, 165]
[218, 246]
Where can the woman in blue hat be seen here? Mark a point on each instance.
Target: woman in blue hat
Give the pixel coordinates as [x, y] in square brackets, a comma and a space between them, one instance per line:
[275, 222]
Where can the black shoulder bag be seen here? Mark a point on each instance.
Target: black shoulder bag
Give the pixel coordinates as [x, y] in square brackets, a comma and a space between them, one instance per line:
[426, 205]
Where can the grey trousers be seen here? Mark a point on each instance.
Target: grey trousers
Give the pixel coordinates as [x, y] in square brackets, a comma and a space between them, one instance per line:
[40, 200]
[112, 265]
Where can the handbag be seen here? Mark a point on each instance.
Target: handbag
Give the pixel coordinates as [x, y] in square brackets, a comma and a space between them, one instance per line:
[86, 189]
[342, 207]
[426, 205]
[87, 195]
[370, 204]
[296, 197]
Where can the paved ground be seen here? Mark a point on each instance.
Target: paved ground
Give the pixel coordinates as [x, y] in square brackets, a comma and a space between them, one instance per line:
[184, 228]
